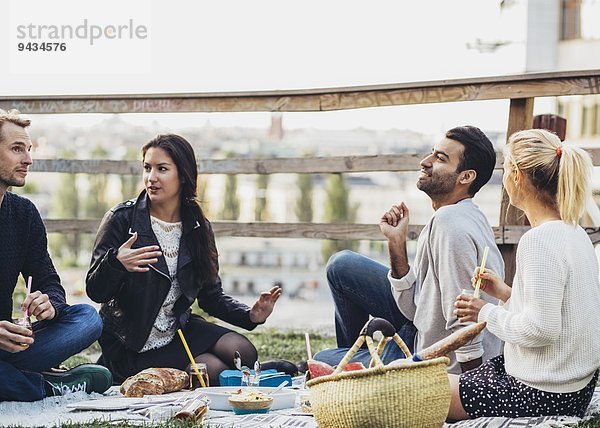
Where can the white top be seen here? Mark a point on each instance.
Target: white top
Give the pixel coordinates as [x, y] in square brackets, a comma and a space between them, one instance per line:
[449, 248]
[163, 330]
[550, 323]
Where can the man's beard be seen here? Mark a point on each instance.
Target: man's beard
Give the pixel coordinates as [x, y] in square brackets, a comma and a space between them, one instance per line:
[10, 182]
[437, 184]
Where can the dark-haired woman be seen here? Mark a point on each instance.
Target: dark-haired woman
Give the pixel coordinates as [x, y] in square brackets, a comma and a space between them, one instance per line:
[153, 257]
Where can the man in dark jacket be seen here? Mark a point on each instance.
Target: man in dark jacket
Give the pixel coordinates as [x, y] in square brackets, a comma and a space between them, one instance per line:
[60, 330]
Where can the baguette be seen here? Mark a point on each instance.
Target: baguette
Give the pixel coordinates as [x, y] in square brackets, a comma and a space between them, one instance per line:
[450, 343]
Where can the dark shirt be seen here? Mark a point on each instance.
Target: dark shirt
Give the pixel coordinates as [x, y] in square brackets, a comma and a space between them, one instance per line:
[24, 250]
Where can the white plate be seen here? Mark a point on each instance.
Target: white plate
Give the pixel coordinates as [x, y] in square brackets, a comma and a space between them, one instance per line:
[119, 402]
[108, 403]
[219, 396]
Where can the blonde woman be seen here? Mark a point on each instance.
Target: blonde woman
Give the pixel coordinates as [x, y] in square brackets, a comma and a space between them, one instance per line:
[552, 341]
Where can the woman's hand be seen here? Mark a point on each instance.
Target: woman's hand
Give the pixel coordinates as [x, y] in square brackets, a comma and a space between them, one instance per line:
[264, 305]
[136, 260]
[491, 284]
[467, 307]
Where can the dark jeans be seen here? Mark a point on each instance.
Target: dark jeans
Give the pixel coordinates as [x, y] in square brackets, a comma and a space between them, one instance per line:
[77, 328]
[360, 289]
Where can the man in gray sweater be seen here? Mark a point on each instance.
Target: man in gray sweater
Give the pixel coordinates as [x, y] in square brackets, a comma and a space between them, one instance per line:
[419, 299]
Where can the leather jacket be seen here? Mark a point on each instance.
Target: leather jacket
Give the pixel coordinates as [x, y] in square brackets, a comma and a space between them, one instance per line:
[131, 300]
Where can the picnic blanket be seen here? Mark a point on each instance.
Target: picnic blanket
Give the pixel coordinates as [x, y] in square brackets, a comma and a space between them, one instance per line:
[540, 422]
[53, 411]
[56, 411]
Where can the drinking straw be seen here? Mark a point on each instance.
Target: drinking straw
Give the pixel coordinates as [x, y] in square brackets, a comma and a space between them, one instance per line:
[187, 349]
[308, 351]
[28, 292]
[481, 270]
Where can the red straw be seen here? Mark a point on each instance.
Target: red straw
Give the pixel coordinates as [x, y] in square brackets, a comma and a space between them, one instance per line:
[28, 292]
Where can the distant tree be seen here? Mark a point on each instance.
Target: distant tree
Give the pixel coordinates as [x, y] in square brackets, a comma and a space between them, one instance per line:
[131, 185]
[96, 202]
[261, 212]
[303, 208]
[201, 186]
[231, 202]
[338, 210]
[66, 205]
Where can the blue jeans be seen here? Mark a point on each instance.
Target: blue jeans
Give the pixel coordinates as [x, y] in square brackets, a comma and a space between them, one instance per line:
[77, 328]
[360, 289]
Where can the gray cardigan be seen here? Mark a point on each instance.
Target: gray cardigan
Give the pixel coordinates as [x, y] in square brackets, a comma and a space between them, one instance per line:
[448, 250]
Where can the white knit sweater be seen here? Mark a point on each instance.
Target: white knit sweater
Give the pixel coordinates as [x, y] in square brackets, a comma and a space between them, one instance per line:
[550, 324]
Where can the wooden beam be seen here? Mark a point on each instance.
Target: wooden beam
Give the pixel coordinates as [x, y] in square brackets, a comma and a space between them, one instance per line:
[323, 99]
[305, 165]
[87, 166]
[520, 117]
[263, 230]
[370, 232]
[308, 165]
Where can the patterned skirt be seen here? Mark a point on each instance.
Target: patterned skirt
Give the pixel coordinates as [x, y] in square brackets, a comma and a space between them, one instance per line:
[489, 391]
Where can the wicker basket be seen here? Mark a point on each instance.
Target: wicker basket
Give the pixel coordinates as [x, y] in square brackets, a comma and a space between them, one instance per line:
[415, 394]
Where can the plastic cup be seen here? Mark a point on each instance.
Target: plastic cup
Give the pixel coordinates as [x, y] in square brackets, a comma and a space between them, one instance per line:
[25, 322]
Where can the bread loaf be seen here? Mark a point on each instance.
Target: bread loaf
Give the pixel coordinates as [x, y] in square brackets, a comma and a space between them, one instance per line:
[154, 381]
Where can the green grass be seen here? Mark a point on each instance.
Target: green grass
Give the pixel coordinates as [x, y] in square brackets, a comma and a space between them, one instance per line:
[287, 345]
[89, 355]
[594, 422]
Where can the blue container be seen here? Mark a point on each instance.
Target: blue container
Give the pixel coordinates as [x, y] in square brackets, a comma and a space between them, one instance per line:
[269, 377]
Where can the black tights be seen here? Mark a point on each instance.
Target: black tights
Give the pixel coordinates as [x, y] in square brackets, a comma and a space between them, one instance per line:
[220, 356]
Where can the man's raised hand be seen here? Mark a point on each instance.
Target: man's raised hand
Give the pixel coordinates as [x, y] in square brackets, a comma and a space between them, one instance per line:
[394, 222]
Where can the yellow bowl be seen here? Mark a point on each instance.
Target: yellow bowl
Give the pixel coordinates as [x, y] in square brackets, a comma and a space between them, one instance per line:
[243, 406]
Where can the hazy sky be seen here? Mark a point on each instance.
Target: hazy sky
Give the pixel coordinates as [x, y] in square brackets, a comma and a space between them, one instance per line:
[200, 46]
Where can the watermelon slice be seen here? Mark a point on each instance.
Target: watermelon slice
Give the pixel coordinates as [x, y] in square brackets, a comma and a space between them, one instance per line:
[354, 366]
[319, 368]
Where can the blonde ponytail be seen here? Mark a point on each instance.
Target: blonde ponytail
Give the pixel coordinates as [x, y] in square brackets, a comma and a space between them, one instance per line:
[560, 174]
[574, 177]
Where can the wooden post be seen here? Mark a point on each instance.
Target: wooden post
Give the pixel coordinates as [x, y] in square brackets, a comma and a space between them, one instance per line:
[520, 117]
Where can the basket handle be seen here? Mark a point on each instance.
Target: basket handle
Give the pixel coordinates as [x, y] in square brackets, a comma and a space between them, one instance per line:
[366, 334]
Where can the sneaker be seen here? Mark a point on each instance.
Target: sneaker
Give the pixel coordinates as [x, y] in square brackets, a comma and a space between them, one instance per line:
[86, 377]
[302, 367]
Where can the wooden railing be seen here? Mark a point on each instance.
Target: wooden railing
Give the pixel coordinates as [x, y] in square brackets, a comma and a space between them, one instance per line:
[326, 99]
[520, 89]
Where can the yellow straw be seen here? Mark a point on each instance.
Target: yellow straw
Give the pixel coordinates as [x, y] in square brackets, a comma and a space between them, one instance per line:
[481, 270]
[187, 349]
